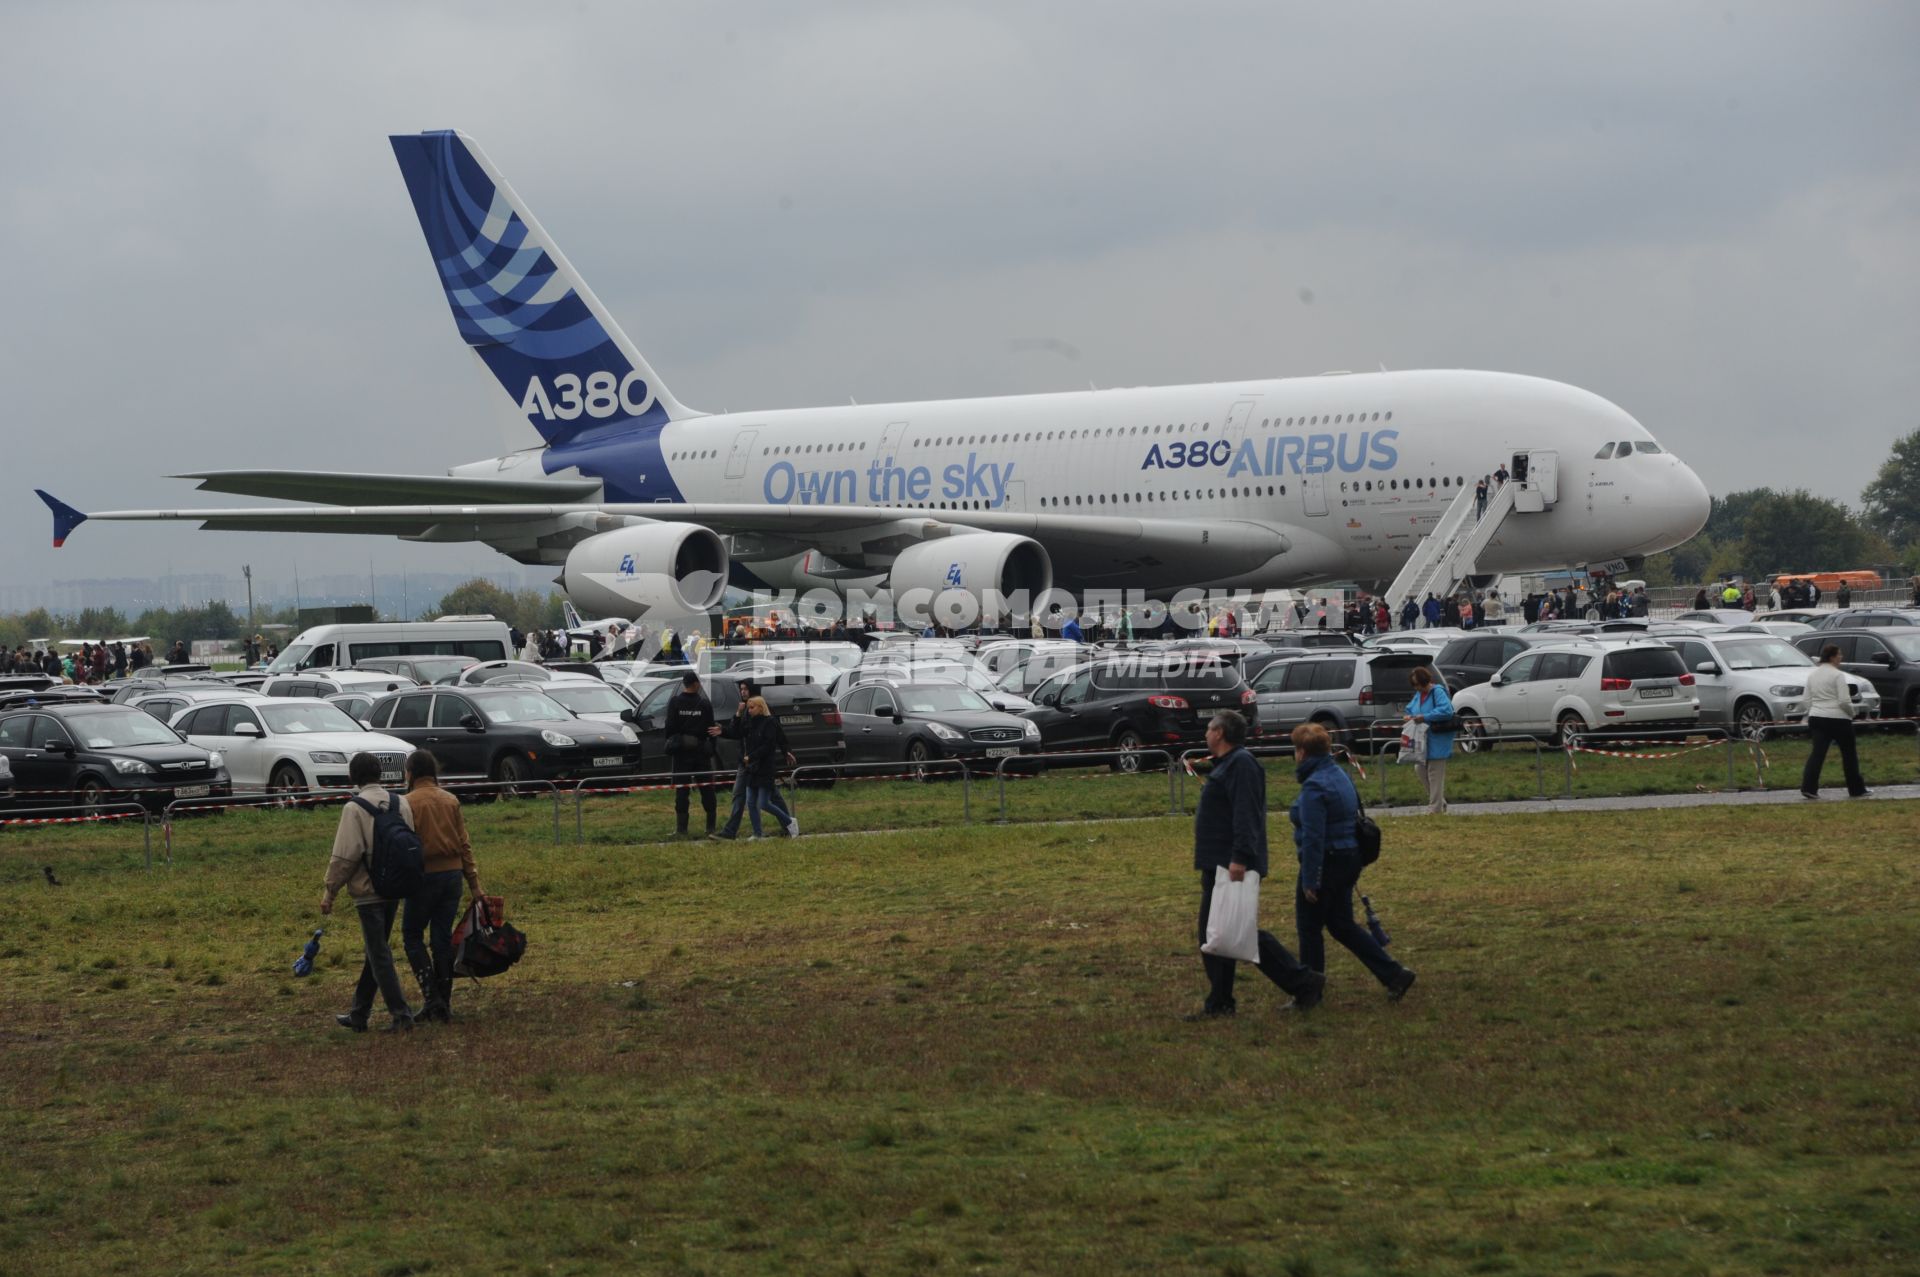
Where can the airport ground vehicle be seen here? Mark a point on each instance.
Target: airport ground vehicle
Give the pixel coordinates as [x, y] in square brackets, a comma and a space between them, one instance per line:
[807, 714]
[1135, 701]
[1888, 658]
[325, 683]
[891, 719]
[509, 734]
[1561, 690]
[341, 646]
[108, 753]
[1345, 692]
[286, 743]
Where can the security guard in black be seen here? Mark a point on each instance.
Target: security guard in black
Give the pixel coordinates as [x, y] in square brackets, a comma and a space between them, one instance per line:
[688, 728]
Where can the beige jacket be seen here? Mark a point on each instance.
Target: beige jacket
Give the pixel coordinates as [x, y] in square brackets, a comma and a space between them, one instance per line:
[351, 843]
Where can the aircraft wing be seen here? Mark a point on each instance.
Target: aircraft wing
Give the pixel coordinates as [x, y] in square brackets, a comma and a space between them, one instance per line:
[341, 488]
[1227, 545]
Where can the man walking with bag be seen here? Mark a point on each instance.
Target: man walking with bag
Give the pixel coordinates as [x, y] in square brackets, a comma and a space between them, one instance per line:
[1230, 837]
[447, 854]
[348, 868]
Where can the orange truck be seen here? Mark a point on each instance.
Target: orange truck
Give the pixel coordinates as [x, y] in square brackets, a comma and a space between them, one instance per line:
[1828, 582]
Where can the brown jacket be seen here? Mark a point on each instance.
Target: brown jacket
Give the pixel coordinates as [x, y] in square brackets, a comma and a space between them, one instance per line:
[352, 842]
[442, 828]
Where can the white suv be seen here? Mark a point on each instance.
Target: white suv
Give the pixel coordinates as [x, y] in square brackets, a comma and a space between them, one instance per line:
[1560, 690]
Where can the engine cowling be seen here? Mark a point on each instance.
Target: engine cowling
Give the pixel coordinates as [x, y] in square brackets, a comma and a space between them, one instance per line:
[674, 567]
[953, 580]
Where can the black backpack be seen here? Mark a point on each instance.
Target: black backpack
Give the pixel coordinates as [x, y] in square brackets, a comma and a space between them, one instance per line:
[397, 861]
[1366, 832]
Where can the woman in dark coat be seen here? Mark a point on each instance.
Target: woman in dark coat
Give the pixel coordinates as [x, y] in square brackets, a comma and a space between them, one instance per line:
[763, 748]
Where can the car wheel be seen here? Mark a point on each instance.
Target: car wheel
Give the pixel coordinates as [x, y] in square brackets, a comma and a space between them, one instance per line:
[286, 779]
[1750, 719]
[93, 792]
[513, 771]
[918, 755]
[1472, 738]
[1128, 742]
[1571, 725]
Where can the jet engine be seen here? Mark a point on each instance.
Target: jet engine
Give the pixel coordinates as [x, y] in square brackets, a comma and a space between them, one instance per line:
[953, 580]
[679, 568]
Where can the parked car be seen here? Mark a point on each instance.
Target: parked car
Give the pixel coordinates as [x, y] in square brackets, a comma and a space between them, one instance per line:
[509, 734]
[489, 671]
[424, 670]
[1472, 658]
[1716, 616]
[1131, 702]
[1746, 683]
[288, 744]
[1562, 690]
[807, 714]
[1861, 618]
[108, 753]
[1888, 658]
[324, 683]
[59, 694]
[131, 689]
[891, 720]
[165, 703]
[6, 783]
[355, 705]
[966, 674]
[1798, 616]
[591, 698]
[1348, 693]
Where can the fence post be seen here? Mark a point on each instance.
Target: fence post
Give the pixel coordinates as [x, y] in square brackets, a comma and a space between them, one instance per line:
[1539, 772]
[1566, 748]
[1175, 770]
[1730, 780]
[966, 794]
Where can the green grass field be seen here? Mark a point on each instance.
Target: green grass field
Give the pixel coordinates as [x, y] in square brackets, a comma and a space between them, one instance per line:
[1642, 1042]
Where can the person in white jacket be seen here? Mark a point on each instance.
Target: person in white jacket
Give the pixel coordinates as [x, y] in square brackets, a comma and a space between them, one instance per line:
[1830, 721]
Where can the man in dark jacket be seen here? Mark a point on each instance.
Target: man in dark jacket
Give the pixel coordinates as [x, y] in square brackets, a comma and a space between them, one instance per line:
[1230, 836]
[688, 728]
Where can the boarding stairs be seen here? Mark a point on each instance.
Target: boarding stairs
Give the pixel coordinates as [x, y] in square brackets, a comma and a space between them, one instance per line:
[1450, 553]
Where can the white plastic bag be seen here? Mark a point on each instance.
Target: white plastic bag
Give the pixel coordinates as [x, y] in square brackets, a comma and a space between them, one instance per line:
[1233, 919]
[1413, 743]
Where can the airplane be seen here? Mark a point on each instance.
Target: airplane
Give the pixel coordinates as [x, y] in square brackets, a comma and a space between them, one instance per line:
[647, 504]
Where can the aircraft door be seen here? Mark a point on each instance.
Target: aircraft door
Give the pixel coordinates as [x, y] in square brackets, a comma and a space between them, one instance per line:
[1544, 469]
[1314, 486]
[890, 440]
[741, 454]
[1237, 418]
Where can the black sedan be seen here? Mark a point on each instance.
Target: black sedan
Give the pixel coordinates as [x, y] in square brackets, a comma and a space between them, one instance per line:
[509, 734]
[916, 723]
[98, 754]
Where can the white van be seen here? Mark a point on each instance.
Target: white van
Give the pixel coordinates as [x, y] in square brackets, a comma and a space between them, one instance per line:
[327, 647]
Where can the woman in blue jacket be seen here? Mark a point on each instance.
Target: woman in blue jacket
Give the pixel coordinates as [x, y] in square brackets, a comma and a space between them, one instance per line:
[1430, 703]
[1323, 833]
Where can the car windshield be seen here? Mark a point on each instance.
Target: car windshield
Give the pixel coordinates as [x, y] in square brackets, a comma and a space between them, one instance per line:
[291, 660]
[432, 671]
[590, 700]
[1761, 654]
[117, 731]
[520, 707]
[299, 720]
[936, 699]
[1908, 645]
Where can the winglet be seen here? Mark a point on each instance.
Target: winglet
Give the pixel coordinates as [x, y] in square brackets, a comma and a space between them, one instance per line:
[65, 517]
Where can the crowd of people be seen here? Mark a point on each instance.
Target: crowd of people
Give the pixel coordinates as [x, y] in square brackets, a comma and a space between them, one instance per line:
[88, 663]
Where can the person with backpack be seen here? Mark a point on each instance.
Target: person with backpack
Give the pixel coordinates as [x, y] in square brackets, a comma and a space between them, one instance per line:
[447, 856]
[1325, 819]
[1230, 837]
[377, 860]
[1432, 708]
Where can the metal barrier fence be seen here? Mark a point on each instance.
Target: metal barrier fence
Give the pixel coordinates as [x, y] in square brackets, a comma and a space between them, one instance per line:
[89, 814]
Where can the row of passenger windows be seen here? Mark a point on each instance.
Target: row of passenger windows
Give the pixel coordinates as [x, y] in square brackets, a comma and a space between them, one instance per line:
[1394, 485]
[1625, 448]
[1048, 436]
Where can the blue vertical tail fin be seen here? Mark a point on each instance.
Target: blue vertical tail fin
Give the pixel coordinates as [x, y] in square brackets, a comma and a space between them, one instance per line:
[518, 303]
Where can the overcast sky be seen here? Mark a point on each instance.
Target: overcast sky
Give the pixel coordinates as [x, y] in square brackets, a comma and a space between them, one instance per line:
[1709, 214]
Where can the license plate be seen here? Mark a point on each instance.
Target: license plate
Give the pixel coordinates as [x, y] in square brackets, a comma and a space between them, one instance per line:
[193, 791]
[1003, 751]
[394, 777]
[1654, 693]
[796, 720]
[608, 762]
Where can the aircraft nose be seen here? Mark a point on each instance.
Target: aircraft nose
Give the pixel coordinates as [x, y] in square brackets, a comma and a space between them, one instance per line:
[1690, 503]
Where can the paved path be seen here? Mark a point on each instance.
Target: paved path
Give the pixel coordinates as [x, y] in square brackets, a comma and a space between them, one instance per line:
[1754, 798]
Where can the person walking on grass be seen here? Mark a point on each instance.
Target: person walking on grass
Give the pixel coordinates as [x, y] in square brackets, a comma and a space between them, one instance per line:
[448, 856]
[1830, 714]
[1431, 704]
[1324, 816]
[1230, 837]
[347, 868]
[763, 746]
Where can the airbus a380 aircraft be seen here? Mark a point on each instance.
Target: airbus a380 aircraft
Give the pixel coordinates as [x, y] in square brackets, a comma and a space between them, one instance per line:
[647, 503]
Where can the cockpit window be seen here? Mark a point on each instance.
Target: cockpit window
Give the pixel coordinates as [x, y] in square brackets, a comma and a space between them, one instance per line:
[1624, 448]
[1606, 451]
[1647, 445]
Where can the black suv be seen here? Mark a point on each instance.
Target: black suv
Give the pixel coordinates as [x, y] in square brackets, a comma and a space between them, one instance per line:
[1889, 658]
[506, 734]
[807, 715]
[1471, 659]
[1135, 701]
[107, 754]
[1861, 618]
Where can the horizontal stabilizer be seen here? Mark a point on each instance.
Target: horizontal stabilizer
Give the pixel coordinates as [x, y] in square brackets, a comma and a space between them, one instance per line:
[340, 488]
[65, 517]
